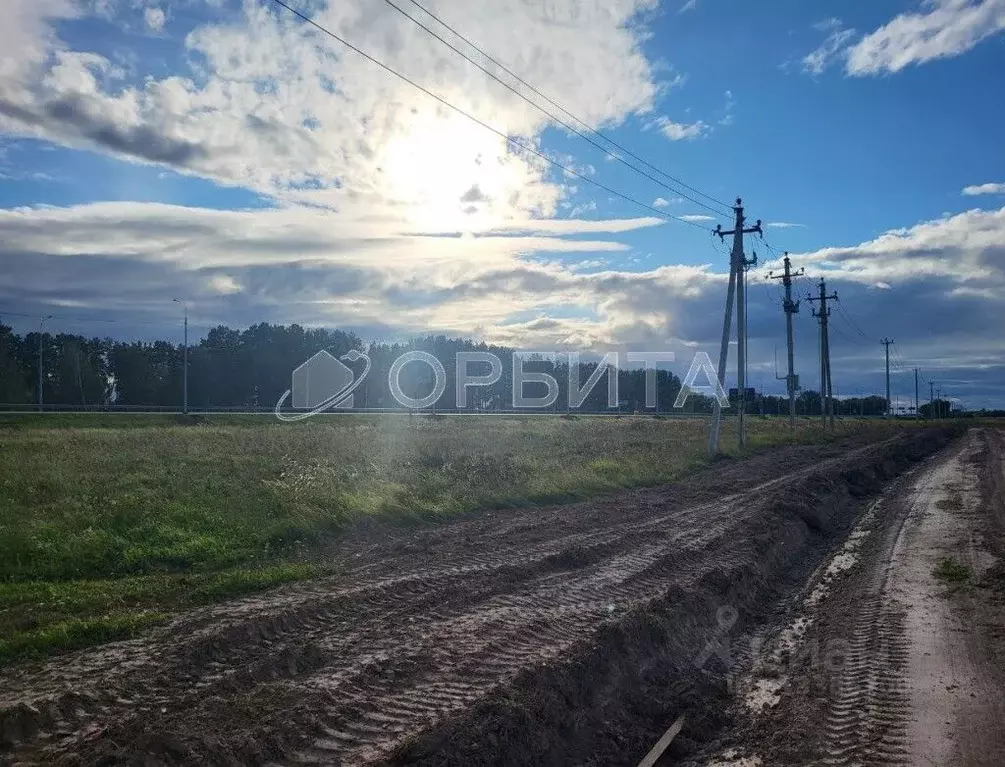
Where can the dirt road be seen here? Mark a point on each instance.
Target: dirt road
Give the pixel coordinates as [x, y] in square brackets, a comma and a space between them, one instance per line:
[895, 651]
[571, 634]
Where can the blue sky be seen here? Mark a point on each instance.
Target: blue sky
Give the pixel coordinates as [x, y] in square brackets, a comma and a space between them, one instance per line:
[225, 152]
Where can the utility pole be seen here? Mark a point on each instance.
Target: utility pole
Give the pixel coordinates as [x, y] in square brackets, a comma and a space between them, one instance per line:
[737, 282]
[790, 307]
[886, 342]
[931, 400]
[938, 400]
[826, 391]
[41, 326]
[917, 414]
[184, 372]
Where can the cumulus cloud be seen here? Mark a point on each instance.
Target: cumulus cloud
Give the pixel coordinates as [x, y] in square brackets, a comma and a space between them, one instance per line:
[968, 248]
[942, 29]
[273, 105]
[979, 189]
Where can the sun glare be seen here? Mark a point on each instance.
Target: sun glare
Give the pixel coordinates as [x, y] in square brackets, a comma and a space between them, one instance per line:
[452, 176]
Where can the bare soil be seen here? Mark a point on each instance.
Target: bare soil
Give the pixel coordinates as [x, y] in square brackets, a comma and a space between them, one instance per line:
[894, 652]
[564, 635]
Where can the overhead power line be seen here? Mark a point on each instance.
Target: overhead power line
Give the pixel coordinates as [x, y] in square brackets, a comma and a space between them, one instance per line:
[501, 134]
[727, 209]
[854, 325]
[49, 315]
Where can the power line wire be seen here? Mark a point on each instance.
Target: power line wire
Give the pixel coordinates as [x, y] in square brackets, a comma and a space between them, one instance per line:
[855, 326]
[508, 139]
[728, 208]
[78, 319]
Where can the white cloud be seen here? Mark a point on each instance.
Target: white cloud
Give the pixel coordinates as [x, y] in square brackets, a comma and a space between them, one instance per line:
[690, 5]
[662, 202]
[696, 217]
[727, 118]
[945, 28]
[224, 284]
[680, 131]
[272, 105]
[27, 36]
[827, 25]
[586, 207]
[292, 265]
[966, 248]
[120, 260]
[973, 191]
[154, 18]
[818, 60]
[784, 225]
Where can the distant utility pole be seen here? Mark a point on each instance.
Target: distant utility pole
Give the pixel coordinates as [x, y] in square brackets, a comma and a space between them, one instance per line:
[737, 282]
[41, 330]
[938, 400]
[790, 307]
[826, 391]
[917, 413]
[931, 400]
[886, 342]
[184, 374]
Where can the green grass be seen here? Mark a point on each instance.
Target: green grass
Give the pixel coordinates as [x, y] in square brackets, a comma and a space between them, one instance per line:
[953, 573]
[38, 618]
[110, 522]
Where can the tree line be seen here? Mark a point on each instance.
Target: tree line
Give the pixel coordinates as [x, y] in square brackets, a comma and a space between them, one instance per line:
[252, 368]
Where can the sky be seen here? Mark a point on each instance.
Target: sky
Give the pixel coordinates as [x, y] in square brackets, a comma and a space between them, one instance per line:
[231, 155]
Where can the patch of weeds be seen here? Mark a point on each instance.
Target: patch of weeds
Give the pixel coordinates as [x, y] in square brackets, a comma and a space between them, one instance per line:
[953, 573]
[952, 503]
[42, 618]
[74, 634]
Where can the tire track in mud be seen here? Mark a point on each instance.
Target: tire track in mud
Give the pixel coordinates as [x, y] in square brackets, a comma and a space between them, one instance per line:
[909, 672]
[334, 673]
[866, 718]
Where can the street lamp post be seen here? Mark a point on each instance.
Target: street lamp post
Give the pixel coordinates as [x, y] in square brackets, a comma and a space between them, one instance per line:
[41, 325]
[184, 374]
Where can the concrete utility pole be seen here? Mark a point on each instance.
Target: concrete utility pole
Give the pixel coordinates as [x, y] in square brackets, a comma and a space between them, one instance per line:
[184, 372]
[917, 414]
[886, 342]
[737, 283]
[826, 391]
[41, 326]
[790, 307]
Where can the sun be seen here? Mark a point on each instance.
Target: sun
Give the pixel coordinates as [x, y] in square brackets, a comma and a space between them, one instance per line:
[452, 175]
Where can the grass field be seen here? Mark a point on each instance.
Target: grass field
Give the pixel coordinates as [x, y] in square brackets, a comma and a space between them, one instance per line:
[110, 523]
